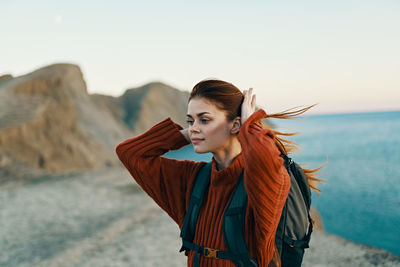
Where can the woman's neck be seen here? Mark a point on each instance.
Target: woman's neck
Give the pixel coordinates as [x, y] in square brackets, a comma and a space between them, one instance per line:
[226, 155]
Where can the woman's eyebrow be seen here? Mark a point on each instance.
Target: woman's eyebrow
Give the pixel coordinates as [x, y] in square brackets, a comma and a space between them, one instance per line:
[198, 114]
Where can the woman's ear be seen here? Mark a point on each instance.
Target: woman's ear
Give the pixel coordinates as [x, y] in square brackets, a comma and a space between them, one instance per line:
[236, 125]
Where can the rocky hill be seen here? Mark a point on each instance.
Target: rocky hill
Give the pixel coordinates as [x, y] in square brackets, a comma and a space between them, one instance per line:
[151, 103]
[50, 124]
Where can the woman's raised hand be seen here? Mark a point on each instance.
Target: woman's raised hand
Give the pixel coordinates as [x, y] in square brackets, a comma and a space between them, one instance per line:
[248, 105]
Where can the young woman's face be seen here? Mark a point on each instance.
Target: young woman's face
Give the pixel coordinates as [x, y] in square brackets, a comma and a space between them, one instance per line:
[209, 124]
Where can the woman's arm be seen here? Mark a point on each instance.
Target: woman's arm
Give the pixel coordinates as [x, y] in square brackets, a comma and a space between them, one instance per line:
[163, 179]
[266, 180]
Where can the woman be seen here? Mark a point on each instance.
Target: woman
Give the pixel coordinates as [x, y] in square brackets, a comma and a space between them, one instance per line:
[222, 120]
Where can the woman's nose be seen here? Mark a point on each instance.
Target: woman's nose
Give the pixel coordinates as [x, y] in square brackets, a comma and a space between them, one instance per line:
[194, 127]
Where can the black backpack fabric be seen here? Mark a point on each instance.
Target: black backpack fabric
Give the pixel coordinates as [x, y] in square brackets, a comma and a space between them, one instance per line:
[292, 235]
[295, 226]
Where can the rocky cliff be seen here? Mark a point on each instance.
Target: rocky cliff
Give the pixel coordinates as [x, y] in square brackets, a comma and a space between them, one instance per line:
[50, 124]
[151, 103]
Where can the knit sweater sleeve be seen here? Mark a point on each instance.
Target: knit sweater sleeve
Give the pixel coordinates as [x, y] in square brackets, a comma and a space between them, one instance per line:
[266, 180]
[163, 179]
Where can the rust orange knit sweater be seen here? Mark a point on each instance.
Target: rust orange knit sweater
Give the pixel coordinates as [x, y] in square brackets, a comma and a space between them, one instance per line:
[169, 183]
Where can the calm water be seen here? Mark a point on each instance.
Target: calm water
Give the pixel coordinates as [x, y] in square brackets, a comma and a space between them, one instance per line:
[361, 197]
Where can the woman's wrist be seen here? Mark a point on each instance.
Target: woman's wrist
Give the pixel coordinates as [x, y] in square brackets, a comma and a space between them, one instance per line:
[185, 133]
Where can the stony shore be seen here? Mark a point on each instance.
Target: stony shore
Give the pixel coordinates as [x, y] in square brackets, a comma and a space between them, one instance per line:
[101, 218]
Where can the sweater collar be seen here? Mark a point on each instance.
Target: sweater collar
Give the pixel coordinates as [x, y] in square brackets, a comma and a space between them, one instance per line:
[228, 175]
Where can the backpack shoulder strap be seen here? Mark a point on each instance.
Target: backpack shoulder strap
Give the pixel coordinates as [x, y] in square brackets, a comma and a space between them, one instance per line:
[300, 178]
[233, 217]
[196, 199]
[233, 226]
[302, 181]
[233, 221]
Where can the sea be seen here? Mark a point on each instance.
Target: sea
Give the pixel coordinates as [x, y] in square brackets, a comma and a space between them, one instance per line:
[360, 196]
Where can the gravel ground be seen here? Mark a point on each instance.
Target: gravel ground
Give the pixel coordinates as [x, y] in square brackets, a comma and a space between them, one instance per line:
[101, 218]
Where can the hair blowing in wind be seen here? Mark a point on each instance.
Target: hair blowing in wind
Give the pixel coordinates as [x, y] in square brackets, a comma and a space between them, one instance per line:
[229, 98]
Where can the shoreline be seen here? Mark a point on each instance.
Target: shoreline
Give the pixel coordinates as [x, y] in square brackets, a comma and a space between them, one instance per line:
[336, 251]
[102, 218]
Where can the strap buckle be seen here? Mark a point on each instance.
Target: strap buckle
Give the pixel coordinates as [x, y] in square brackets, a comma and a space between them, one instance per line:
[210, 252]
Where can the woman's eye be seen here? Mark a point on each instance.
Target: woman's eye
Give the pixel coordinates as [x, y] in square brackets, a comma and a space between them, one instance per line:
[204, 121]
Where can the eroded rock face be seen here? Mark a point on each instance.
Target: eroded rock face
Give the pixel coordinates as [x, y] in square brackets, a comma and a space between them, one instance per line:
[145, 106]
[5, 77]
[50, 124]
[41, 117]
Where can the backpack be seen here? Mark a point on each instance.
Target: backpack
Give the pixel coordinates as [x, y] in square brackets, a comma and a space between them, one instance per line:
[292, 235]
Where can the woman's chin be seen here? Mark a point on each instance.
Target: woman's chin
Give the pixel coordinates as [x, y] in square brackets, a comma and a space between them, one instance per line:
[199, 150]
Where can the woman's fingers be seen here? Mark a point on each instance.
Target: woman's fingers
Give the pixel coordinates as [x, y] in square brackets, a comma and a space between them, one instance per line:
[249, 104]
[247, 93]
[251, 98]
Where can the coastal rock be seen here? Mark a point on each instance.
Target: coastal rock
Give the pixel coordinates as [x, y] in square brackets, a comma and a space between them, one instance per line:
[49, 124]
[5, 77]
[149, 104]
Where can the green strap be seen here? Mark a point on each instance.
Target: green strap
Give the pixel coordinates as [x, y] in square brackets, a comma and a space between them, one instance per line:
[233, 222]
[233, 225]
[196, 199]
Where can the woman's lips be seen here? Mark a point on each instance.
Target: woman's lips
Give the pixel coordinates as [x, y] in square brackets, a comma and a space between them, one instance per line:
[195, 141]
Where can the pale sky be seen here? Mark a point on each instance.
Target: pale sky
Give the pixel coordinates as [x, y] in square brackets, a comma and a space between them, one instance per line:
[344, 55]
